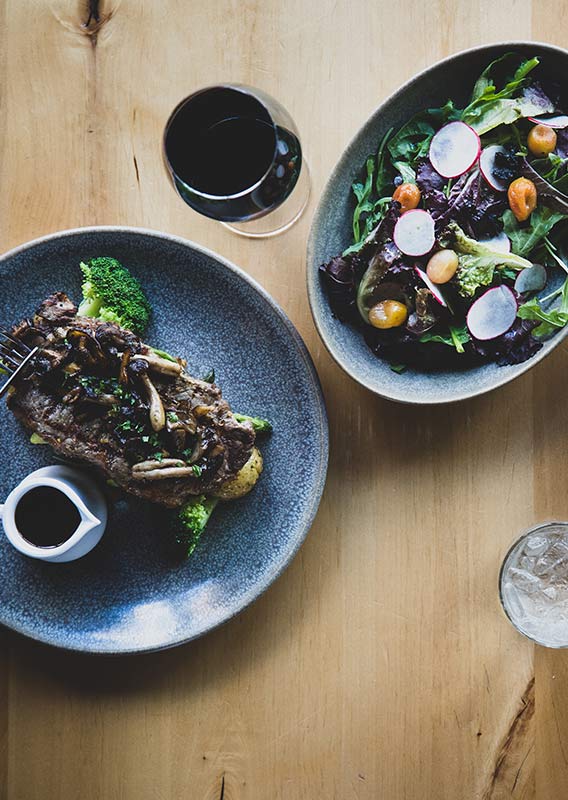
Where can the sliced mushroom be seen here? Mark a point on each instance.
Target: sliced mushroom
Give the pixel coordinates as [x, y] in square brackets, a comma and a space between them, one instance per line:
[157, 411]
[73, 396]
[124, 361]
[72, 368]
[202, 411]
[151, 464]
[161, 474]
[101, 399]
[86, 345]
[160, 365]
[197, 452]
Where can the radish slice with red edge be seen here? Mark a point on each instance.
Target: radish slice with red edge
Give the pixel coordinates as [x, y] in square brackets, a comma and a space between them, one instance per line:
[493, 314]
[551, 120]
[454, 149]
[432, 286]
[414, 233]
[487, 167]
[531, 279]
[499, 244]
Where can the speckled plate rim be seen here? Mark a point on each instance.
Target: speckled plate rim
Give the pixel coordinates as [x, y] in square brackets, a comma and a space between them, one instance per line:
[304, 524]
[312, 276]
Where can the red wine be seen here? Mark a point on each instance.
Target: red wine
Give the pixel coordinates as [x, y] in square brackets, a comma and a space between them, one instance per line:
[228, 159]
[46, 517]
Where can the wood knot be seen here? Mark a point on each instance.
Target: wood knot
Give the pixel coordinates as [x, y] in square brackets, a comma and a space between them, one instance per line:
[96, 14]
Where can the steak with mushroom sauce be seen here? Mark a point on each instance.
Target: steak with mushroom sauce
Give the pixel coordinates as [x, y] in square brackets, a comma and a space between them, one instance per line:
[99, 395]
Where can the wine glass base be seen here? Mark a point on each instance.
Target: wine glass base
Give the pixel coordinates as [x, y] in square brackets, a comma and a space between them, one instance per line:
[281, 218]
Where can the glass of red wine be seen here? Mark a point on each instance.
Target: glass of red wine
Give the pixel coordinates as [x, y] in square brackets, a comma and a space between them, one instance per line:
[233, 154]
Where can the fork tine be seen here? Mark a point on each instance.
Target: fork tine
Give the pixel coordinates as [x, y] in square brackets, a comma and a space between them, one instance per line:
[6, 367]
[13, 374]
[8, 355]
[15, 341]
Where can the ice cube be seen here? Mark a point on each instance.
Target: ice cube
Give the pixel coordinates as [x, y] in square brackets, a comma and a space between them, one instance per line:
[523, 580]
[550, 592]
[513, 603]
[535, 545]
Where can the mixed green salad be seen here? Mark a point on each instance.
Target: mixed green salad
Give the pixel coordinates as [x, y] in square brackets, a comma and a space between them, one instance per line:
[459, 226]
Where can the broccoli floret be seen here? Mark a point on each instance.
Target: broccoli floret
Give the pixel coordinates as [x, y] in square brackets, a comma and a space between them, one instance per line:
[260, 425]
[111, 293]
[191, 520]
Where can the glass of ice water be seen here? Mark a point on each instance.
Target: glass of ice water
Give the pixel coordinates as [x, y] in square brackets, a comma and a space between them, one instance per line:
[533, 584]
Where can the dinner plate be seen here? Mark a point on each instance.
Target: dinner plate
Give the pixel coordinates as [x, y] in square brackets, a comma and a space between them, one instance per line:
[132, 593]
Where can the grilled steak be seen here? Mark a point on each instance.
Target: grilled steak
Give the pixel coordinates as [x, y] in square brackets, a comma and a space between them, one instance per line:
[99, 395]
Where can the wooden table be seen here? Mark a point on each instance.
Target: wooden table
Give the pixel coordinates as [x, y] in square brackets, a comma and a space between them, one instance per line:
[380, 666]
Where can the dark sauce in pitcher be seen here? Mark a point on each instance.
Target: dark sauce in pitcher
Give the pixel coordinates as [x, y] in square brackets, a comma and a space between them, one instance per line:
[46, 517]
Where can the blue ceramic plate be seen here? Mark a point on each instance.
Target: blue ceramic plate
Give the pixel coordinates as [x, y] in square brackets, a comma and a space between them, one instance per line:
[331, 230]
[131, 594]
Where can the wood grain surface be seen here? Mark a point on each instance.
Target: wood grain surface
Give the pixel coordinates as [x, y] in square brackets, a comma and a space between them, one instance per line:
[379, 667]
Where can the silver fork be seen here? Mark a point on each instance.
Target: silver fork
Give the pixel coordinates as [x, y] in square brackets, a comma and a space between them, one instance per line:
[14, 355]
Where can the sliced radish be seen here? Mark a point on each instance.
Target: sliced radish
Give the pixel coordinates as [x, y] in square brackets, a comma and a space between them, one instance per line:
[432, 286]
[454, 149]
[551, 120]
[531, 279]
[414, 233]
[493, 314]
[487, 167]
[499, 244]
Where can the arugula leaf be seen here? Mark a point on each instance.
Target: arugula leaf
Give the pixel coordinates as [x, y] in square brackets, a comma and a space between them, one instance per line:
[485, 83]
[370, 210]
[490, 107]
[524, 240]
[456, 337]
[552, 251]
[548, 194]
[362, 193]
[554, 318]
[549, 167]
[383, 173]
[412, 141]
[407, 174]
[551, 320]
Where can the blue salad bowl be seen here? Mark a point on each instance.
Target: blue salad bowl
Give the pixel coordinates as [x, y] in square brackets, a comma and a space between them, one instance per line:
[331, 231]
[134, 592]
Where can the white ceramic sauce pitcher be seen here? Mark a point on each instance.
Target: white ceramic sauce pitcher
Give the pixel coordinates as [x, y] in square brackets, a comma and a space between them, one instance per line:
[85, 496]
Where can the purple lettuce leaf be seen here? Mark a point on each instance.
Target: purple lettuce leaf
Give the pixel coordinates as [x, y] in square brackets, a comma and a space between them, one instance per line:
[562, 143]
[342, 274]
[513, 347]
[475, 206]
[431, 185]
[534, 95]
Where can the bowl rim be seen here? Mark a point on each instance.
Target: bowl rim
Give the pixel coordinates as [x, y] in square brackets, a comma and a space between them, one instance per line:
[306, 521]
[312, 276]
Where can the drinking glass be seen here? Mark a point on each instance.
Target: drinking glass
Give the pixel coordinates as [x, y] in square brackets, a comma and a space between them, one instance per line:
[533, 584]
[233, 154]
